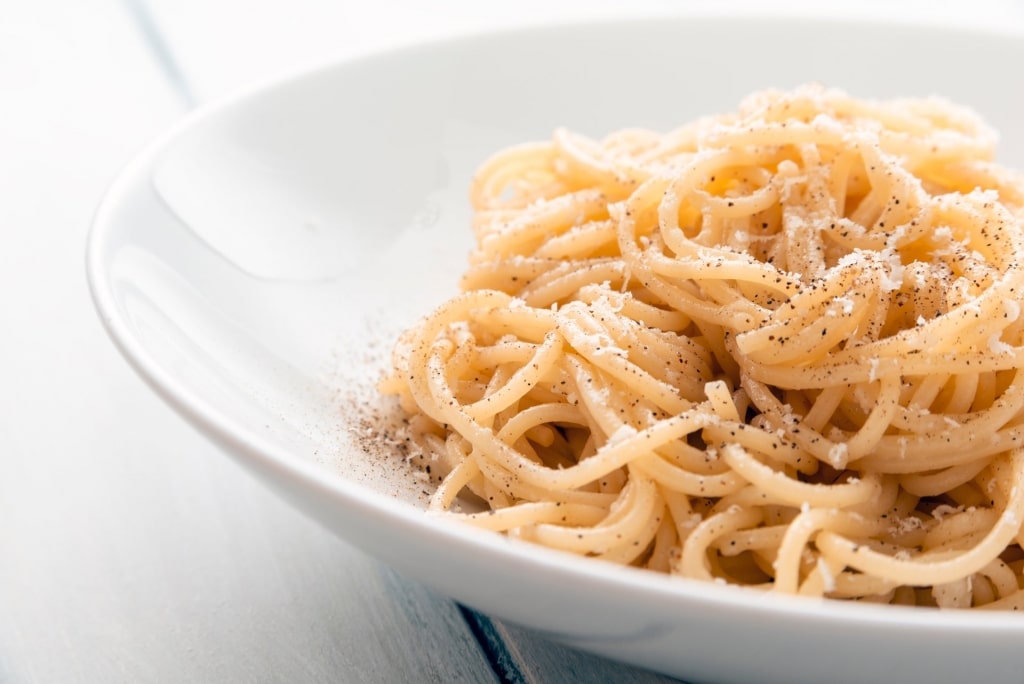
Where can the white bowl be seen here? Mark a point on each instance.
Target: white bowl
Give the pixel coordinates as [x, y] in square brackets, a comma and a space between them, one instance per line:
[255, 264]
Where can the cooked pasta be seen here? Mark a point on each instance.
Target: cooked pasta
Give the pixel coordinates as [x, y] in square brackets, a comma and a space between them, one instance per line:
[779, 348]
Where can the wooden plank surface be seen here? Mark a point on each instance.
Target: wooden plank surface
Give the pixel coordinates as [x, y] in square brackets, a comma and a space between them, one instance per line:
[130, 549]
[519, 655]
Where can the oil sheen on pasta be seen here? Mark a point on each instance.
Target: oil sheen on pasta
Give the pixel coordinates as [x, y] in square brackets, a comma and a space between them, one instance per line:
[780, 348]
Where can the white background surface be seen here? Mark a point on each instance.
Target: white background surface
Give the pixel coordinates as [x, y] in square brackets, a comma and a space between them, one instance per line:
[130, 549]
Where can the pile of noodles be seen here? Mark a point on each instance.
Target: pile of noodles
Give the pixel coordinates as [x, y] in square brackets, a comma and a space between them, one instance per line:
[779, 348]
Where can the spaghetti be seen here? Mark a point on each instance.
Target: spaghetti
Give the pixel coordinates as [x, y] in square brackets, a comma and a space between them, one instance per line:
[779, 348]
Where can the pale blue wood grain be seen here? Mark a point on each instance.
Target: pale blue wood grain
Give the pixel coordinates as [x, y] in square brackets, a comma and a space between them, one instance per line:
[521, 656]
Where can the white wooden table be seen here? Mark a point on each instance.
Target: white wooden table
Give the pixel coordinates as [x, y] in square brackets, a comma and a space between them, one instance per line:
[130, 550]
